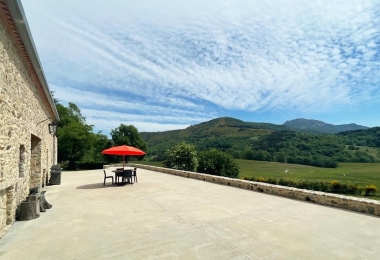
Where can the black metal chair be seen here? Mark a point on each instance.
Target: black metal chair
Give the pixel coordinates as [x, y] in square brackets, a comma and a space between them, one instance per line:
[134, 175]
[127, 175]
[119, 174]
[105, 177]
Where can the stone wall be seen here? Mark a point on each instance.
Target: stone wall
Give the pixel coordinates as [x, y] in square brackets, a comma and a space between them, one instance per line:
[35, 162]
[21, 110]
[339, 201]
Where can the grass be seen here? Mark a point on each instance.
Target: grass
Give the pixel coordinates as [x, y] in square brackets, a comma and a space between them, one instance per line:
[360, 173]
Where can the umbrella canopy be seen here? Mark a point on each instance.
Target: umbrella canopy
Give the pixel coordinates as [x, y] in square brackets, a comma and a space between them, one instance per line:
[123, 150]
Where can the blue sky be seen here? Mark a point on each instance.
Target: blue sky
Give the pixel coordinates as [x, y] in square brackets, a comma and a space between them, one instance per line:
[165, 64]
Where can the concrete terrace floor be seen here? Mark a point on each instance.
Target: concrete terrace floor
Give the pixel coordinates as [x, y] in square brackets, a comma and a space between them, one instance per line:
[170, 217]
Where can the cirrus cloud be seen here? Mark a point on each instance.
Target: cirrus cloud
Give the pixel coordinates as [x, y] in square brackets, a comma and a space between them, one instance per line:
[191, 61]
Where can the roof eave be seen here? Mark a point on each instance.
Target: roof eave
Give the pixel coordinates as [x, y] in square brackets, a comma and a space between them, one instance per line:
[18, 15]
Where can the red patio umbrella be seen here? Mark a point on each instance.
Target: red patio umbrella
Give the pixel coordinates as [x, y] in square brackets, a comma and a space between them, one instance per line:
[124, 150]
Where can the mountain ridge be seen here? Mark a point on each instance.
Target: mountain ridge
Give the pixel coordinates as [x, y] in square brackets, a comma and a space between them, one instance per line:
[224, 129]
[266, 141]
[321, 126]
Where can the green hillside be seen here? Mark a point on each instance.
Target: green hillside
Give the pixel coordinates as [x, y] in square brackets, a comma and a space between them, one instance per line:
[223, 133]
[373, 151]
[271, 142]
[369, 137]
[219, 128]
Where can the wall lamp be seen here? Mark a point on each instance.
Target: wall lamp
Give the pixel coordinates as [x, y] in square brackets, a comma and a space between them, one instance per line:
[53, 128]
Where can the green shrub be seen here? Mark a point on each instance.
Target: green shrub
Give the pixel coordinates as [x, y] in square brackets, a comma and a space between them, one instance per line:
[292, 183]
[351, 188]
[181, 157]
[306, 161]
[249, 178]
[330, 163]
[370, 190]
[304, 185]
[316, 161]
[283, 182]
[332, 186]
[299, 160]
[219, 163]
[315, 185]
[360, 190]
[272, 180]
[323, 186]
[335, 186]
[261, 179]
[280, 157]
[344, 188]
[90, 165]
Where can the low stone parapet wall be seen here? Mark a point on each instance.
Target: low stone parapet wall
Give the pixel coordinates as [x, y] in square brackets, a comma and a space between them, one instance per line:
[106, 166]
[334, 200]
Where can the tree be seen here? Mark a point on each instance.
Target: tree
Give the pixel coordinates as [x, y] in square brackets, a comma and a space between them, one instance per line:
[55, 100]
[218, 163]
[249, 154]
[73, 134]
[128, 135]
[181, 157]
[280, 157]
[70, 114]
[330, 163]
[100, 143]
[260, 156]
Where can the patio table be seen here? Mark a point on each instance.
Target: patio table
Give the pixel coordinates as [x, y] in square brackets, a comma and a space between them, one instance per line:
[118, 173]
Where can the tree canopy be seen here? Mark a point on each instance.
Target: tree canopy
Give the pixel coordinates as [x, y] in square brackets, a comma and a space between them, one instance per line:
[78, 144]
[75, 137]
[181, 157]
[128, 135]
[216, 162]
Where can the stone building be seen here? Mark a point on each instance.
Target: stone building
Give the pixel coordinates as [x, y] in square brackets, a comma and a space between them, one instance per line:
[27, 149]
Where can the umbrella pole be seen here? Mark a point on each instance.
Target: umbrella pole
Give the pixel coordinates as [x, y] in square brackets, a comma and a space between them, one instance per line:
[123, 161]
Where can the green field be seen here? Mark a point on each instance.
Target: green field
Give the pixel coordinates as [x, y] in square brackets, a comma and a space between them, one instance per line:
[360, 173]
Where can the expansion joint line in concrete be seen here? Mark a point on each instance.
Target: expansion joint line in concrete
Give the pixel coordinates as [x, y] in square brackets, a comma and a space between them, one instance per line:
[131, 243]
[195, 226]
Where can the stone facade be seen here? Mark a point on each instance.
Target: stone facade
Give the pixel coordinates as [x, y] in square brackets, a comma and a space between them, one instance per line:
[26, 147]
[339, 201]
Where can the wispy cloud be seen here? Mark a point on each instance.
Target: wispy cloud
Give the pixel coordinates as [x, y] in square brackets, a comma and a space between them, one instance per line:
[179, 62]
[107, 112]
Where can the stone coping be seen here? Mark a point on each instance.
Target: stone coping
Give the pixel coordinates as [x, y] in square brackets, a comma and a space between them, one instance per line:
[362, 205]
